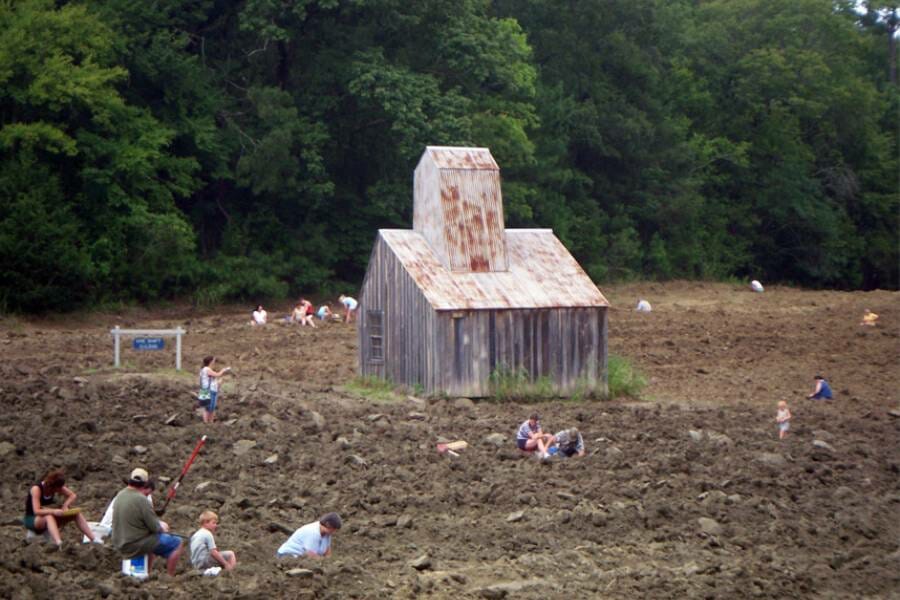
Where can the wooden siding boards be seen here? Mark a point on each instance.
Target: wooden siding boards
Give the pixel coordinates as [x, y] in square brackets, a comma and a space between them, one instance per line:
[455, 352]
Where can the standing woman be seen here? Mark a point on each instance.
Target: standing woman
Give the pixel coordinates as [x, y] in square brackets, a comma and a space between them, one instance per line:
[209, 387]
[39, 517]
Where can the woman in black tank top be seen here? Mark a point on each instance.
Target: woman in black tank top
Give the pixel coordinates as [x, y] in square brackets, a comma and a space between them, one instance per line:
[39, 517]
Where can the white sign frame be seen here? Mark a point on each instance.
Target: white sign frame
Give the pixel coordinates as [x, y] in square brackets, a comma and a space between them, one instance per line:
[117, 334]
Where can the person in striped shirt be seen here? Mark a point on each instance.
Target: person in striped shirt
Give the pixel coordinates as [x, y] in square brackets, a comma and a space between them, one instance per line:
[531, 437]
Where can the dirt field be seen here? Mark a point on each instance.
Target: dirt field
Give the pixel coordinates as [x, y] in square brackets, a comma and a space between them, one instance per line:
[684, 493]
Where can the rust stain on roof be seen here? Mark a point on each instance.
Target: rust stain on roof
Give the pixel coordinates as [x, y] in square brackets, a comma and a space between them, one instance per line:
[541, 274]
[459, 208]
[451, 157]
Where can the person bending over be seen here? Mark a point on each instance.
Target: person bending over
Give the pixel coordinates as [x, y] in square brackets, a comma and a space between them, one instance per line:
[313, 539]
[822, 391]
[40, 517]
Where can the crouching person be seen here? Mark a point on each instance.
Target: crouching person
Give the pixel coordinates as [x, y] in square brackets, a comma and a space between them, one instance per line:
[570, 442]
[313, 539]
[204, 553]
[136, 530]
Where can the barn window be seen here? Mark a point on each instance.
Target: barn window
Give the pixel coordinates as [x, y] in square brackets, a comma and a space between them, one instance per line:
[375, 325]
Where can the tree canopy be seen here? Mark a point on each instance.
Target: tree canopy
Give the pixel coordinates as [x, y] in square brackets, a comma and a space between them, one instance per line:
[239, 150]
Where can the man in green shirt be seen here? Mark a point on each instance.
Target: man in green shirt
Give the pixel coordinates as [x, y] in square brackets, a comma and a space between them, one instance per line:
[136, 530]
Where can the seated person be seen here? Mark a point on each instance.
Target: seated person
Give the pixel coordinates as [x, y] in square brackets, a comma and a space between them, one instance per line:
[531, 437]
[569, 442]
[260, 316]
[40, 518]
[104, 527]
[313, 539]
[204, 553]
[136, 530]
[822, 391]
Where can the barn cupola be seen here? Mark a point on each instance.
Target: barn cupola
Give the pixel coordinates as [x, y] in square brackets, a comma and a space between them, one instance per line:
[458, 208]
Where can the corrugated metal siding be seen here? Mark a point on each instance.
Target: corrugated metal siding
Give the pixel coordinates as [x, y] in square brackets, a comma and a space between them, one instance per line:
[541, 274]
[458, 208]
[473, 220]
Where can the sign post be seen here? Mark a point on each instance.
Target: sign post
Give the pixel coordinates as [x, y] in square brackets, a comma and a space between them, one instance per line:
[147, 343]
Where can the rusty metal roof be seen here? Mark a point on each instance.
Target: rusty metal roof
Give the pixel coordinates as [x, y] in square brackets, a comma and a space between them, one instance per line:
[541, 274]
[452, 157]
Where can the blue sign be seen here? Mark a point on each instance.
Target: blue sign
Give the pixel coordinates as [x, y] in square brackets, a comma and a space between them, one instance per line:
[148, 344]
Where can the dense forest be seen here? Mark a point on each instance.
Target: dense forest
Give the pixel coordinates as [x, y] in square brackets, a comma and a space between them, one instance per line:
[240, 149]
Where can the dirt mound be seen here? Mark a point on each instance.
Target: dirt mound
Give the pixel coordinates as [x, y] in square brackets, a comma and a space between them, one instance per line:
[687, 493]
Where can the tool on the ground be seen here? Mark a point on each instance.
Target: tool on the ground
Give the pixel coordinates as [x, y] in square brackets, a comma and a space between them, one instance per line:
[162, 509]
[451, 447]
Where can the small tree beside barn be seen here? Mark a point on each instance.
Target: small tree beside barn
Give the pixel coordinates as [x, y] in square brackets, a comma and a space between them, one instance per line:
[460, 297]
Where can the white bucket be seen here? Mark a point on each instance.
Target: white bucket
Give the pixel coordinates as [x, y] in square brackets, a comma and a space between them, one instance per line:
[137, 566]
[101, 532]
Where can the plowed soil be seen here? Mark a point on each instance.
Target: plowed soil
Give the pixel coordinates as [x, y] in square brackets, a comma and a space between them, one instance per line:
[684, 492]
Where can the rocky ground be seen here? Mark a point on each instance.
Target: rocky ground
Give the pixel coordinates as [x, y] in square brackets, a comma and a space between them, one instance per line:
[686, 492]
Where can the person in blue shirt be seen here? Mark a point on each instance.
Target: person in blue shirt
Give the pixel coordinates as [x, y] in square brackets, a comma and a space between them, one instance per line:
[822, 391]
[313, 539]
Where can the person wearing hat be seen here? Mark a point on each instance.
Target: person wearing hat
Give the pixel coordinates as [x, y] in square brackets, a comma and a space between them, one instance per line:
[136, 530]
[570, 442]
[104, 527]
[313, 539]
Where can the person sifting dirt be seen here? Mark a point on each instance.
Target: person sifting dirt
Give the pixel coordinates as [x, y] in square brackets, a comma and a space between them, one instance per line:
[350, 306]
[40, 517]
[260, 316]
[569, 442]
[822, 391]
[104, 527]
[136, 529]
[324, 313]
[303, 313]
[313, 539]
[783, 418]
[531, 437]
[204, 552]
[209, 388]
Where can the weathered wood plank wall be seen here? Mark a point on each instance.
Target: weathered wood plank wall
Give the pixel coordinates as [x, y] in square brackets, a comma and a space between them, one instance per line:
[455, 352]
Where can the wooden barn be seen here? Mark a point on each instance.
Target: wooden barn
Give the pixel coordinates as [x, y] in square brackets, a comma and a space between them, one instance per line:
[459, 297]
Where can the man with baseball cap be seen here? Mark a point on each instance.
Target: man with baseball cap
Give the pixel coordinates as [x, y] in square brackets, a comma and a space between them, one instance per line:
[136, 530]
[313, 539]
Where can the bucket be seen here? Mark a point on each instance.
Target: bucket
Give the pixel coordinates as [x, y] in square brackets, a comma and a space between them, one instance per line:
[136, 567]
[100, 532]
